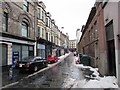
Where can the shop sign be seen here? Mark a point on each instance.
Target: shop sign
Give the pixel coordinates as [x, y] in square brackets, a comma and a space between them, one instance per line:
[40, 46]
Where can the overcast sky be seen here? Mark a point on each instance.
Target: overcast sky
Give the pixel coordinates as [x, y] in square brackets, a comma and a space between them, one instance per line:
[70, 14]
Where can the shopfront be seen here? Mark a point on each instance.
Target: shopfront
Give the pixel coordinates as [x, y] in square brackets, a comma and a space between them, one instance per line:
[4, 50]
[21, 51]
[41, 50]
[15, 49]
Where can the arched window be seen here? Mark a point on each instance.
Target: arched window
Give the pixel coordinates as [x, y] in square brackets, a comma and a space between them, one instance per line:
[5, 22]
[24, 30]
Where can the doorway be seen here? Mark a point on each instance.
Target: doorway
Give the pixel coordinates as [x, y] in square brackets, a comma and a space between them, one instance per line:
[111, 57]
[110, 48]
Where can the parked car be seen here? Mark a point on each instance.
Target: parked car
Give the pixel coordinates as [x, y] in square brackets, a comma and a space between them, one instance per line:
[52, 58]
[32, 63]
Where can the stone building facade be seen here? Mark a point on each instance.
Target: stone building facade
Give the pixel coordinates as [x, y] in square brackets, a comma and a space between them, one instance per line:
[17, 31]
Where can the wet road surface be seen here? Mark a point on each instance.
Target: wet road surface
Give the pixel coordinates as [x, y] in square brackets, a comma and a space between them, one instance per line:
[56, 77]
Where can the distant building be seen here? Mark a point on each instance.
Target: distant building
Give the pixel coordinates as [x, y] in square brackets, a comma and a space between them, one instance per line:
[78, 34]
[72, 45]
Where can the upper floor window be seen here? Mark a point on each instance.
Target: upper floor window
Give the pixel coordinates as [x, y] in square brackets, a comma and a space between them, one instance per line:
[38, 13]
[50, 23]
[42, 32]
[47, 36]
[47, 22]
[43, 15]
[24, 30]
[25, 5]
[52, 38]
[38, 31]
[5, 22]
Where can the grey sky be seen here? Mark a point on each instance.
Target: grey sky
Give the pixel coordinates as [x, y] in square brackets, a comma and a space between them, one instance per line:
[70, 14]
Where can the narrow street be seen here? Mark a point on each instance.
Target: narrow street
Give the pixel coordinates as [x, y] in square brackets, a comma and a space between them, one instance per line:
[58, 76]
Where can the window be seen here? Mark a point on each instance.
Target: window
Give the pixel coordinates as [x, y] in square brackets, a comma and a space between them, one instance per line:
[4, 53]
[47, 22]
[24, 31]
[24, 51]
[25, 5]
[50, 23]
[38, 13]
[52, 38]
[5, 22]
[43, 15]
[38, 31]
[42, 32]
[47, 36]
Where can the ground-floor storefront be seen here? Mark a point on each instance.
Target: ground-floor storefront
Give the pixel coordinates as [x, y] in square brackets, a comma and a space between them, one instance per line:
[41, 50]
[13, 49]
[45, 48]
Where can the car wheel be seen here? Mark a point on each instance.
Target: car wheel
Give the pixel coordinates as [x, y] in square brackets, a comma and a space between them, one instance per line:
[35, 68]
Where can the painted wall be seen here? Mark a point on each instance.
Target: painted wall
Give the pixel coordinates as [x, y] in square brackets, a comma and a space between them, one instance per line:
[111, 13]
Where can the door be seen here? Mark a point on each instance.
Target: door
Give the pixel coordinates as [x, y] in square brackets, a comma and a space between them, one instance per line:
[111, 57]
[110, 48]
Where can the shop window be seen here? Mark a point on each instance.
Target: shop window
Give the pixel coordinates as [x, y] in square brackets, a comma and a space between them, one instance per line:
[31, 51]
[4, 54]
[24, 51]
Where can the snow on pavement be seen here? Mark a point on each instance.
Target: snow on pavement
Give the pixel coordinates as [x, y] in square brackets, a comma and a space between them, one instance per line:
[104, 82]
[97, 81]
[68, 83]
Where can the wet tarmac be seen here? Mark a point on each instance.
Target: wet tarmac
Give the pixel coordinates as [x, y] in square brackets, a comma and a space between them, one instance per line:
[56, 77]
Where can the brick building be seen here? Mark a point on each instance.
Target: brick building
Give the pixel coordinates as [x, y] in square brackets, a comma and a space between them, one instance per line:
[100, 38]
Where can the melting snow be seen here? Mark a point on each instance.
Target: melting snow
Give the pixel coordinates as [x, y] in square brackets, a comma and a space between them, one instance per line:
[97, 81]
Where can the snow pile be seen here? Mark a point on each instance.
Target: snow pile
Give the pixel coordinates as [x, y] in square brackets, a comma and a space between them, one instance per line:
[64, 56]
[95, 80]
[68, 83]
[105, 82]
[79, 83]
